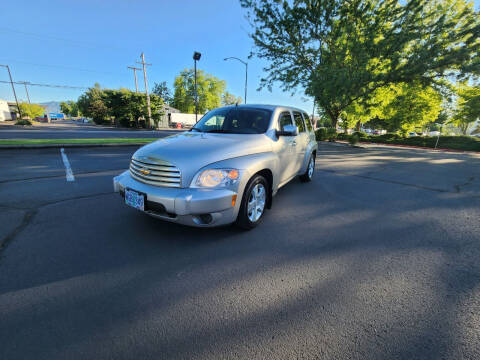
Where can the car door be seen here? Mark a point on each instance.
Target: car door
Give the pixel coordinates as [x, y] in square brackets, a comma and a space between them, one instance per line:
[302, 139]
[285, 149]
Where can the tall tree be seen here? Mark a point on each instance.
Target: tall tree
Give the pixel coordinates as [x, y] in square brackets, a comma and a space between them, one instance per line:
[230, 99]
[69, 108]
[210, 90]
[468, 106]
[92, 104]
[342, 51]
[161, 89]
[31, 111]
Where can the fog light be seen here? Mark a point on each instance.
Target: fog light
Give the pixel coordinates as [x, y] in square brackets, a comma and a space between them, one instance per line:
[203, 219]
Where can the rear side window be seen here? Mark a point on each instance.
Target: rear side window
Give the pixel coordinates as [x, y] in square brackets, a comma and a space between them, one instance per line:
[284, 119]
[307, 122]
[299, 121]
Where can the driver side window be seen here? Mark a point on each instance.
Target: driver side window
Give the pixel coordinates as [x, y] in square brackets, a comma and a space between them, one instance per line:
[284, 119]
[215, 122]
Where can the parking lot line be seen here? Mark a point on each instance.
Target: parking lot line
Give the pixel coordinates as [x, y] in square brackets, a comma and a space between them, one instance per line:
[68, 169]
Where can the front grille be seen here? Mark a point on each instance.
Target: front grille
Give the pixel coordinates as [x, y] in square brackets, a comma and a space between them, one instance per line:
[160, 173]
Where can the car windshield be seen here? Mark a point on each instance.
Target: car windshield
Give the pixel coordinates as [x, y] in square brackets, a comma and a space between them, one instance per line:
[235, 120]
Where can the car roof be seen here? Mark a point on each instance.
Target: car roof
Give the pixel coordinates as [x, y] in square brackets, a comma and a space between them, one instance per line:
[266, 106]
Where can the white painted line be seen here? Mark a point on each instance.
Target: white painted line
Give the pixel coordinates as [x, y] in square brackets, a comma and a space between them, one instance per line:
[68, 169]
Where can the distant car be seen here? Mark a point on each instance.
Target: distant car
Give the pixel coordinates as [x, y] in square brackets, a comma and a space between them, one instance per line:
[412, 133]
[226, 169]
[434, 133]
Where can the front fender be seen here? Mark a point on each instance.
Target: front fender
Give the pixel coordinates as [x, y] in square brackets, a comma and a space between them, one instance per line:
[248, 166]
[311, 147]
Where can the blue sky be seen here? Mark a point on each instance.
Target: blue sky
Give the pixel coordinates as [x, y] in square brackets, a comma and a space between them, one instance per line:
[79, 43]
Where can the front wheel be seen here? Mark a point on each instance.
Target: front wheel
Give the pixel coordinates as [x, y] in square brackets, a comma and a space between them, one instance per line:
[253, 204]
[308, 175]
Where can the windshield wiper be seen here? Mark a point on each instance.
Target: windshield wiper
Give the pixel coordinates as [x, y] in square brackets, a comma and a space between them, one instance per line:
[195, 129]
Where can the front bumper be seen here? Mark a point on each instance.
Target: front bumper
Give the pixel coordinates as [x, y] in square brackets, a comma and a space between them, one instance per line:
[189, 206]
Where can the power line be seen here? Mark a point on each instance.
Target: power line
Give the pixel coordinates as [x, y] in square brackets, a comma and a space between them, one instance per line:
[70, 42]
[46, 85]
[56, 66]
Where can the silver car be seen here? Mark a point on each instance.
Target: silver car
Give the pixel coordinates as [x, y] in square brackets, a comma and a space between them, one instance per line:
[226, 169]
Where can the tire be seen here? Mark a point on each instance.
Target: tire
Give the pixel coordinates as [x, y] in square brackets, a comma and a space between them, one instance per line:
[308, 175]
[254, 203]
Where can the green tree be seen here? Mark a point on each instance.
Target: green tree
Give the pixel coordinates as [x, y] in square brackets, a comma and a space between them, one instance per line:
[161, 90]
[468, 106]
[210, 90]
[340, 51]
[92, 104]
[126, 107]
[413, 107]
[69, 108]
[31, 111]
[230, 99]
[65, 108]
[401, 107]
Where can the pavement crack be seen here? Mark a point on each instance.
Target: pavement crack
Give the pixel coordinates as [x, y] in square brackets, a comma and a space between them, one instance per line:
[27, 218]
[458, 187]
[31, 212]
[80, 197]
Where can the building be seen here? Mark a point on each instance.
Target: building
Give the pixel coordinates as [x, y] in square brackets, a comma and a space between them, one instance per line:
[5, 111]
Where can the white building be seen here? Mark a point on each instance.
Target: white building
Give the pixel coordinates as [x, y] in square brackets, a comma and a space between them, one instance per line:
[4, 111]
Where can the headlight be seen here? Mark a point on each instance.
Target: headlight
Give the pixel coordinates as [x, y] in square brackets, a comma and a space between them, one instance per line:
[217, 178]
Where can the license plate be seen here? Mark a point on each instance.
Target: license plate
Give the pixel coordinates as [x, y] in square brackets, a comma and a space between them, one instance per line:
[135, 199]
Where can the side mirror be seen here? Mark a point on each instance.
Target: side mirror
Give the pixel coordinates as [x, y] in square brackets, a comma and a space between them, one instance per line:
[288, 130]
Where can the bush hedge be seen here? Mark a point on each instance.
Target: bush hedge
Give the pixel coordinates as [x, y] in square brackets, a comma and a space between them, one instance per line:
[23, 122]
[323, 134]
[467, 143]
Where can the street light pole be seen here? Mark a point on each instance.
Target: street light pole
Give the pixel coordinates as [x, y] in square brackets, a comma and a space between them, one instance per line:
[246, 72]
[13, 88]
[196, 57]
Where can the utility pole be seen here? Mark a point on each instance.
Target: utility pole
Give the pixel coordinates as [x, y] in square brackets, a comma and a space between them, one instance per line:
[144, 64]
[13, 88]
[135, 76]
[26, 90]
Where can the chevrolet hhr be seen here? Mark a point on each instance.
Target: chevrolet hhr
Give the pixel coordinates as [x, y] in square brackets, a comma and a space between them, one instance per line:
[225, 170]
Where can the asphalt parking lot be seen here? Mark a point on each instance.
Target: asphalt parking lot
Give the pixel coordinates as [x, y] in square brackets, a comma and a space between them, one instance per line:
[377, 258]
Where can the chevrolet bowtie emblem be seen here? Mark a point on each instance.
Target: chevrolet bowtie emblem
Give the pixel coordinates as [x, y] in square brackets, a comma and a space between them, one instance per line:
[145, 171]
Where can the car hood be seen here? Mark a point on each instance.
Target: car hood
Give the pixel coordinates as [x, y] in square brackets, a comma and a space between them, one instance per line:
[191, 151]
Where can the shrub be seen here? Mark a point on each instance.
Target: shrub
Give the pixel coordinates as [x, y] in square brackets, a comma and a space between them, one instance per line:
[321, 134]
[23, 122]
[353, 139]
[467, 143]
[343, 136]
[332, 134]
[361, 135]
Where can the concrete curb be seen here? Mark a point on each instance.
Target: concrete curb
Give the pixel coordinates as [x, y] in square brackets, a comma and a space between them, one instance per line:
[57, 146]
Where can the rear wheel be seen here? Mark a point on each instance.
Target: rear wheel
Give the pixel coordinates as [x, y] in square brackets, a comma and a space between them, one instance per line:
[254, 202]
[308, 175]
